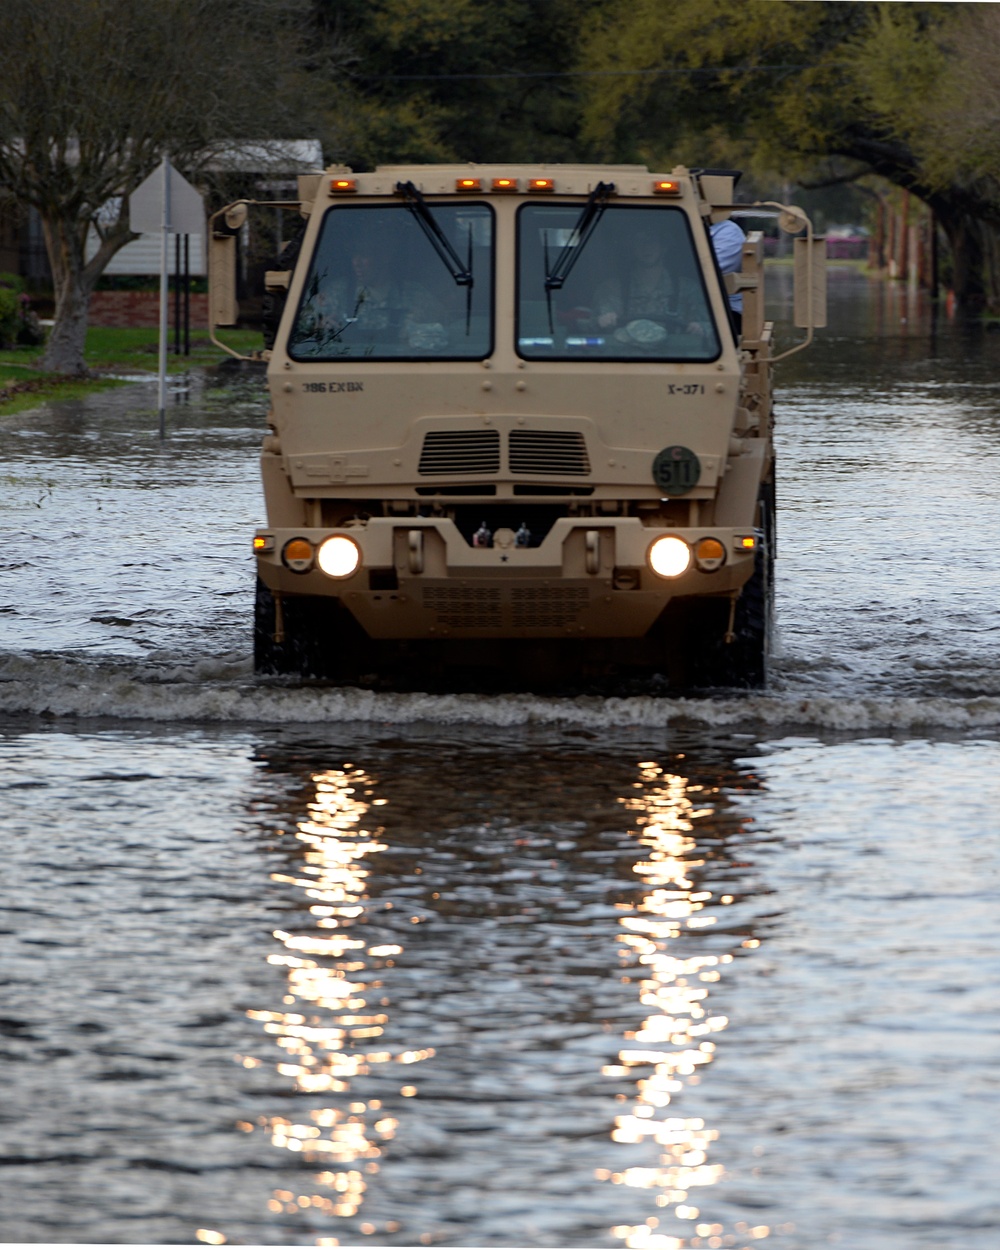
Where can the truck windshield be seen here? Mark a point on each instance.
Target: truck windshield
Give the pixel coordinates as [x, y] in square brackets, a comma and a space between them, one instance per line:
[637, 292]
[377, 289]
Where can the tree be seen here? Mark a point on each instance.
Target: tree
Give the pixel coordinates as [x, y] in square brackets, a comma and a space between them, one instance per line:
[817, 92]
[465, 80]
[931, 78]
[93, 93]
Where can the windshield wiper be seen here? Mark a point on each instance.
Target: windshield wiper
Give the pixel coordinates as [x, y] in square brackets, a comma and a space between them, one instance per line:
[462, 274]
[415, 202]
[569, 253]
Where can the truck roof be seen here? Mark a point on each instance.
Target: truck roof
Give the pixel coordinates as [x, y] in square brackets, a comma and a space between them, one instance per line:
[565, 179]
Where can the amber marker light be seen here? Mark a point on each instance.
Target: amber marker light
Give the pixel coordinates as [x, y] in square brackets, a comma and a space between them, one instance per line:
[709, 554]
[468, 184]
[343, 186]
[666, 186]
[339, 556]
[541, 184]
[505, 184]
[297, 555]
[747, 543]
[669, 556]
[263, 542]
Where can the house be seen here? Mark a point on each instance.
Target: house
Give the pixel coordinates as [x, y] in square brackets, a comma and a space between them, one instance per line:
[268, 166]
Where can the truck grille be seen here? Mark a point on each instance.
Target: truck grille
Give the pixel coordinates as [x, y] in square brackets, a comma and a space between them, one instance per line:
[464, 607]
[460, 451]
[527, 607]
[556, 452]
[551, 453]
[551, 607]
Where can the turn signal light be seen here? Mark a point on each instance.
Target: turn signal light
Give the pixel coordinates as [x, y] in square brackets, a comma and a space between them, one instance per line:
[343, 186]
[297, 555]
[747, 542]
[709, 554]
[263, 542]
[666, 186]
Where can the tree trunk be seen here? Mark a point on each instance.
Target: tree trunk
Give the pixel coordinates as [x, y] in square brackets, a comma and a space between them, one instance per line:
[64, 242]
[992, 267]
[967, 214]
[64, 350]
[74, 280]
[968, 243]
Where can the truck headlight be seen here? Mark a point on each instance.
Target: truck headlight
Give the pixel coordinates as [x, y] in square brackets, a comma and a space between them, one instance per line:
[339, 556]
[669, 556]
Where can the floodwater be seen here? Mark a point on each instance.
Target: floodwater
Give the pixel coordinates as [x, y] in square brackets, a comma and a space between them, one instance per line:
[317, 967]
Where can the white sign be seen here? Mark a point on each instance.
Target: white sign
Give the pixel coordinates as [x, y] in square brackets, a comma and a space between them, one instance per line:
[168, 203]
[184, 206]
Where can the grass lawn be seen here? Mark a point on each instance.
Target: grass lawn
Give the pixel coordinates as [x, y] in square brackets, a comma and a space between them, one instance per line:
[109, 352]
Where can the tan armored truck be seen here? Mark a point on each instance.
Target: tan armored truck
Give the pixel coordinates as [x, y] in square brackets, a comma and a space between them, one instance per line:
[515, 429]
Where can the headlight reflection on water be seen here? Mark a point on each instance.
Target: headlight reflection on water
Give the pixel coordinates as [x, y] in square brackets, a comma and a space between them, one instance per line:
[330, 1026]
[673, 1044]
[331, 1023]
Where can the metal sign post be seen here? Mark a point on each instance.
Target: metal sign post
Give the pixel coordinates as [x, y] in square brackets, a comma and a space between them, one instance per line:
[166, 203]
[166, 226]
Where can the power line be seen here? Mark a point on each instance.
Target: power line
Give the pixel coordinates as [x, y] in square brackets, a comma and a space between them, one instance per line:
[582, 73]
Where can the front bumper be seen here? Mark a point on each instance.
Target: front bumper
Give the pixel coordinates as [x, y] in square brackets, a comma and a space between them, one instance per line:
[589, 578]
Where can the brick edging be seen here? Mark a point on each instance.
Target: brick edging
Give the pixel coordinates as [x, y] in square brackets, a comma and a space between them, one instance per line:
[142, 308]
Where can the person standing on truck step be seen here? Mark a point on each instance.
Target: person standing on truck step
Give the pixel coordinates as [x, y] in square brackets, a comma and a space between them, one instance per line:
[727, 243]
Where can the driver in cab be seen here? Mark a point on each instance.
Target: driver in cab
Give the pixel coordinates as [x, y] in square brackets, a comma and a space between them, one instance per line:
[647, 296]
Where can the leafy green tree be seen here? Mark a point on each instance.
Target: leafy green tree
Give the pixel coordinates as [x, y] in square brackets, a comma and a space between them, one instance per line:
[932, 82]
[92, 95]
[816, 92]
[467, 80]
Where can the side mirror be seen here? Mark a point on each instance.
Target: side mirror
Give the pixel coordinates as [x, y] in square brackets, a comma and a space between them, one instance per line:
[223, 308]
[236, 215]
[793, 220]
[810, 282]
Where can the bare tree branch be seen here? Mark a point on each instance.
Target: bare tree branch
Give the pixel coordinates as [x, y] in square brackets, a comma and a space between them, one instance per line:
[93, 95]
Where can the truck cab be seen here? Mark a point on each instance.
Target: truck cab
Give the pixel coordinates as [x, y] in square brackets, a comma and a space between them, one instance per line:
[516, 429]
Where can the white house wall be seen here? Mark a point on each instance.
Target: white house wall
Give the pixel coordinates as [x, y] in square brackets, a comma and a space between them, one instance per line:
[142, 256]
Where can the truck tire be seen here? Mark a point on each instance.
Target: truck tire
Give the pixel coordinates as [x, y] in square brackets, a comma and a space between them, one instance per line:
[744, 661]
[320, 638]
[269, 656]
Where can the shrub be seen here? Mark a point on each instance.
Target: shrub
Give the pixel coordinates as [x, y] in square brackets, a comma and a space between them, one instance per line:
[18, 320]
[10, 315]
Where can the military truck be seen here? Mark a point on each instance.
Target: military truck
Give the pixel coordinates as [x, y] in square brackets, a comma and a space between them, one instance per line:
[516, 430]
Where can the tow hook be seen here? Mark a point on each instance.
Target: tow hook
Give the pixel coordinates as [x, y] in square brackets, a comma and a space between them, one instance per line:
[279, 616]
[730, 634]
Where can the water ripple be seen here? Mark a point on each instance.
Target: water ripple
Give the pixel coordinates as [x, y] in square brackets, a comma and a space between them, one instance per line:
[227, 692]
